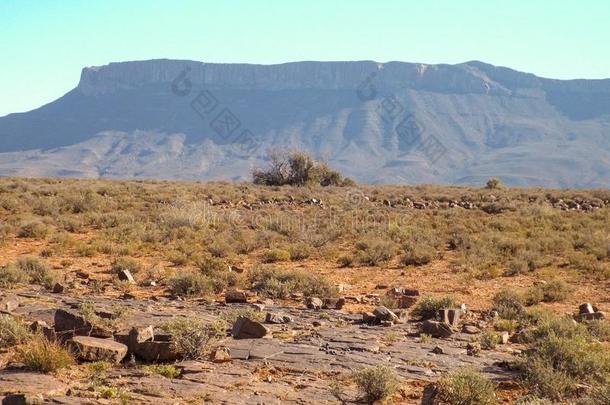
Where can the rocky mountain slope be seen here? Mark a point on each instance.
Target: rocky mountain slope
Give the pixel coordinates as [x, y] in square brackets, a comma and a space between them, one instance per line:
[376, 122]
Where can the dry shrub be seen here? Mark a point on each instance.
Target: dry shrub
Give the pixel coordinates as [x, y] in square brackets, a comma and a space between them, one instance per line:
[12, 332]
[44, 355]
[376, 383]
[191, 284]
[192, 338]
[508, 304]
[280, 284]
[465, 387]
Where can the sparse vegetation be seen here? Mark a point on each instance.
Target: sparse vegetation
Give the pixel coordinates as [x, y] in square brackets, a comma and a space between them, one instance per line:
[508, 304]
[43, 355]
[192, 338]
[562, 354]
[165, 370]
[280, 284]
[465, 387]
[376, 382]
[428, 307]
[12, 332]
[197, 240]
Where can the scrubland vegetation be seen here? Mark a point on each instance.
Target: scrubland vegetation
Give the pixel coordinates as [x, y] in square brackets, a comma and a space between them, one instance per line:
[194, 240]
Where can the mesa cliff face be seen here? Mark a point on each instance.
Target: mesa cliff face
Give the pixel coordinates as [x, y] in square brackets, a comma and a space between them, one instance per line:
[378, 122]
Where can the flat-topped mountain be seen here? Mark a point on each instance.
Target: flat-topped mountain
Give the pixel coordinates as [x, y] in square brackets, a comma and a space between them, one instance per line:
[389, 122]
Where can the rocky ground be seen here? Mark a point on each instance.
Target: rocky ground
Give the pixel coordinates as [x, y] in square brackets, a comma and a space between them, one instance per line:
[297, 355]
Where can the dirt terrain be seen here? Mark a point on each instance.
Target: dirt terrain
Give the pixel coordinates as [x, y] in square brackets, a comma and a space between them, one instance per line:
[298, 289]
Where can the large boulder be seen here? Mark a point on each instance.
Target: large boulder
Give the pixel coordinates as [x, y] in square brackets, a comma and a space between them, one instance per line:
[96, 349]
[152, 351]
[134, 337]
[244, 328]
[436, 329]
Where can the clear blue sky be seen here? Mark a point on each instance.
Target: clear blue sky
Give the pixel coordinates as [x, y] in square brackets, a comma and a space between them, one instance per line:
[44, 44]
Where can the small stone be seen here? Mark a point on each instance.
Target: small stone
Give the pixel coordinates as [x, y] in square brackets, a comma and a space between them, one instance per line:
[125, 275]
[450, 316]
[244, 328]
[277, 318]
[403, 316]
[96, 349]
[407, 292]
[369, 318]
[23, 399]
[317, 324]
[44, 328]
[8, 305]
[258, 307]
[384, 314]
[406, 301]
[504, 336]
[436, 329]
[236, 269]
[235, 297]
[156, 351]
[595, 316]
[473, 349]
[221, 355]
[386, 324]
[314, 303]
[333, 303]
[437, 350]
[58, 288]
[586, 308]
[470, 329]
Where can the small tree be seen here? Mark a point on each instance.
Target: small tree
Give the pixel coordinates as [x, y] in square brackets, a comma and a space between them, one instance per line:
[297, 168]
[493, 183]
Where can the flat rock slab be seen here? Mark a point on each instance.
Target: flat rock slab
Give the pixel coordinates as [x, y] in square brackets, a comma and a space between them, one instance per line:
[25, 382]
[96, 349]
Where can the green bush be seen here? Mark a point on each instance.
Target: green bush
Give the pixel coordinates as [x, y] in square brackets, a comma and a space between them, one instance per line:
[561, 356]
[191, 284]
[275, 255]
[508, 304]
[489, 340]
[428, 307]
[465, 387]
[372, 252]
[376, 383]
[165, 370]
